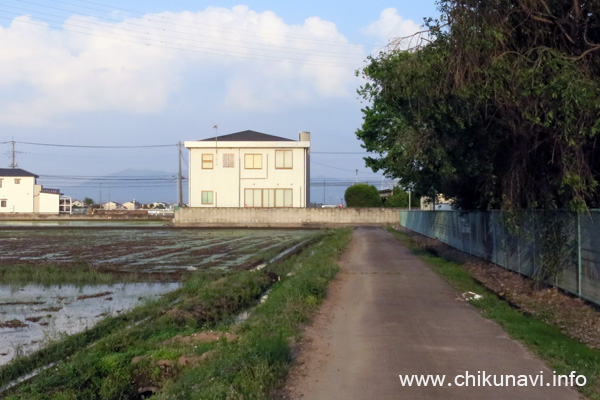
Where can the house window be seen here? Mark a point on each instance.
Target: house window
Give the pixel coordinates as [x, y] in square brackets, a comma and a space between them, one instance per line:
[207, 197]
[207, 161]
[228, 161]
[268, 198]
[283, 198]
[17, 181]
[283, 159]
[253, 161]
[3, 203]
[253, 198]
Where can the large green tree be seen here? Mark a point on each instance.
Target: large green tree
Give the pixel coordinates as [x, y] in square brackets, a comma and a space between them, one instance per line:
[500, 109]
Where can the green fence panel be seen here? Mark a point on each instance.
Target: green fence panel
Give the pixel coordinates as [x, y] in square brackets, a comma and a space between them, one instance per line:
[523, 242]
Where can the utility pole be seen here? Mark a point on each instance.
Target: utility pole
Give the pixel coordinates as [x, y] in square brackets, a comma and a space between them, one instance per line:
[179, 179]
[13, 164]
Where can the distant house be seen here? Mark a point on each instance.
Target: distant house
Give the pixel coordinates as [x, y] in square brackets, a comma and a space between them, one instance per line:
[159, 205]
[131, 205]
[20, 193]
[249, 169]
[385, 193]
[111, 205]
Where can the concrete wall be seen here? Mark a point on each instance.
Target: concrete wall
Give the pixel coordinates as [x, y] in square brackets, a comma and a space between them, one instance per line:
[284, 217]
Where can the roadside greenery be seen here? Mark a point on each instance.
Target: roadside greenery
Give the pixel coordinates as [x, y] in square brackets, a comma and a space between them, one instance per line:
[562, 353]
[402, 199]
[257, 364]
[495, 106]
[153, 350]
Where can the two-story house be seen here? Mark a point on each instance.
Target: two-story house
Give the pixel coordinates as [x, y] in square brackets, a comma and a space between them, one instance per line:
[249, 169]
[19, 193]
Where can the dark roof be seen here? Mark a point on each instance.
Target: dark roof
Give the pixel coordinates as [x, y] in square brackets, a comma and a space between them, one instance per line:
[247, 136]
[51, 191]
[16, 172]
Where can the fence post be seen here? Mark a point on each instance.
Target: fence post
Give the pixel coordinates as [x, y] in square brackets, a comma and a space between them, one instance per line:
[470, 233]
[579, 272]
[517, 236]
[534, 242]
[494, 241]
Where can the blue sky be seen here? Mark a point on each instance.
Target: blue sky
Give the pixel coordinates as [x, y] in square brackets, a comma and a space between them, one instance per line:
[150, 73]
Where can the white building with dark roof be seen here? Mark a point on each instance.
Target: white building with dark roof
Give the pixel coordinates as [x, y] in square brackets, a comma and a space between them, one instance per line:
[20, 193]
[249, 169]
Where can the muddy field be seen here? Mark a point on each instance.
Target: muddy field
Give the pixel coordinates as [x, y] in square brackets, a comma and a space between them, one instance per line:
[31, 315]
[141, 250]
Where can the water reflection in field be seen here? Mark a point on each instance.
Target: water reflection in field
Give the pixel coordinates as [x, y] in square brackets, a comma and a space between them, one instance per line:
[31, 315]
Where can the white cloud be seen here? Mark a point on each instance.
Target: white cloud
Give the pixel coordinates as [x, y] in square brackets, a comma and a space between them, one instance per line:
[391, 26]
[137, 65]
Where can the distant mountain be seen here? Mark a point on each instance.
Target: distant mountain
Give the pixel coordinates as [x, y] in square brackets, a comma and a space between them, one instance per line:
[145, 186]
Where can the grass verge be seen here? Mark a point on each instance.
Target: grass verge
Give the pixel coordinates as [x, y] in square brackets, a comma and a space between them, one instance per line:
[162, 347]
[257, 364]
[562, 353]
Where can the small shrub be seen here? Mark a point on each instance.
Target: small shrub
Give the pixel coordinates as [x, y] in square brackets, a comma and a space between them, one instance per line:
[362, 195]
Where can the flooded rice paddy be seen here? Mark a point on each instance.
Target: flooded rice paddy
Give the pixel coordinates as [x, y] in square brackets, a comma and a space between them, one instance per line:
[141, 250]
[31, 315]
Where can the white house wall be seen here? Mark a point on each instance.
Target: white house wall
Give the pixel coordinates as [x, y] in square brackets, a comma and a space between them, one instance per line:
[49, 203]
[18, 197]
[45, 203]
[229, 184]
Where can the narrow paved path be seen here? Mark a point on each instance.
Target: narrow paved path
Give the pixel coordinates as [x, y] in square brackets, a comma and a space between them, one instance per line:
[389, 314]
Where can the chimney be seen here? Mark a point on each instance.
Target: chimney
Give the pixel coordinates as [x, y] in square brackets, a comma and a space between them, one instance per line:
[304, 136]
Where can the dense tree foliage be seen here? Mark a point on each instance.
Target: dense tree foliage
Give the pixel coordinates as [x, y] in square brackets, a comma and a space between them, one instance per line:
[362, 195]
[500, 109]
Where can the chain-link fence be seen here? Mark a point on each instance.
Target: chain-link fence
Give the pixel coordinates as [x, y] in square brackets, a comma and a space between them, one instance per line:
[558, 247]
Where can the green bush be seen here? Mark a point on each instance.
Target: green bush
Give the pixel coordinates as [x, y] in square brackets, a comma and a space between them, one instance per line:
[362, 195]
[400, 199]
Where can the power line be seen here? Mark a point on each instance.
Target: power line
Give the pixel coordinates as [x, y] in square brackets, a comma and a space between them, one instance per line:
[146, 178]
[160, 33]
[98, 147]
[165, 145]
[337, 152]
[107, 178]
[330, 166]
[341, 169]
[205, 48]
[180, 21]
[341, 183]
